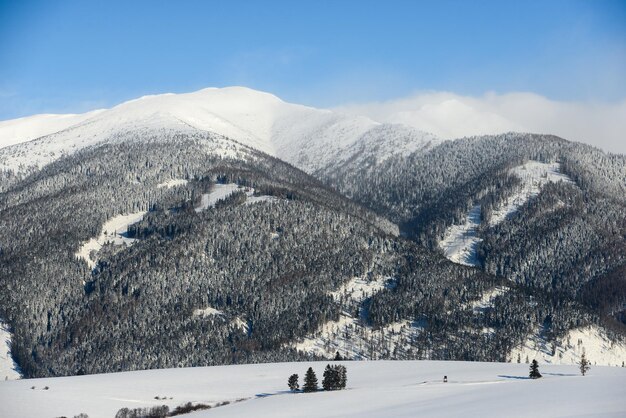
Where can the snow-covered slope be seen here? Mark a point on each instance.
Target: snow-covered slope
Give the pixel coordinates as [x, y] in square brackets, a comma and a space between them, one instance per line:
[113, 231]
[460, 241]
[374, 389]
[351, 335]
[8, 368]
[534, 175]
[590, 340]
[306, 137]
[25, 129]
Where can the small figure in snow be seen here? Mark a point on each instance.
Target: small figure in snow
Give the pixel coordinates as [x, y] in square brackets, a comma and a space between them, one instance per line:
[445, 379]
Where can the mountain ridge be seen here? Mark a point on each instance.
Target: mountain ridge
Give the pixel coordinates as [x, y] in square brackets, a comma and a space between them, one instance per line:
[325, 239]
[305, 136]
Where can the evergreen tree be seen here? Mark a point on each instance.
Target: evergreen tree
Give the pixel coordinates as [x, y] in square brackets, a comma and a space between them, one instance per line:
[584, 364]
[310, 381]
[338, 356]
[293, 382]
[343, 376]
[335, 377]
[534, 370]
[330, 380]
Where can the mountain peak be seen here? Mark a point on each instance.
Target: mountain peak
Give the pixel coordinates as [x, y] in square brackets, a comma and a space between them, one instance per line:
[301, 135]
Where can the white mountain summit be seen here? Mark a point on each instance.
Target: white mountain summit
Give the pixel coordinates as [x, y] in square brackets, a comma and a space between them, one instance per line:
[304, 136]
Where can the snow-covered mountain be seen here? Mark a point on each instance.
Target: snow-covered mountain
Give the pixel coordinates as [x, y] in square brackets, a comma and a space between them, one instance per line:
[304, 136]
[143, 217]
[25, 129]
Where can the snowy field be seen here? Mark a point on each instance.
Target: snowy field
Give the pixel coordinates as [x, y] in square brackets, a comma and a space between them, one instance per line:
[375, 389]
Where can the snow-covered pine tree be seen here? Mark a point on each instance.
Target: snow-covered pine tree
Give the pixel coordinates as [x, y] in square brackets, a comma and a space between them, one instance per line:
[343, 376]
[534, 370]
[292, 382]
[584, 365]
[310, 381]
[329, 382]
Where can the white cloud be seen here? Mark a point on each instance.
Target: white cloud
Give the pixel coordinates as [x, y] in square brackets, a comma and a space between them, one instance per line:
[449, 116]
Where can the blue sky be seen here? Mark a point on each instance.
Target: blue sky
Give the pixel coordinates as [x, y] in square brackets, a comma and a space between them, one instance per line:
[73, 56]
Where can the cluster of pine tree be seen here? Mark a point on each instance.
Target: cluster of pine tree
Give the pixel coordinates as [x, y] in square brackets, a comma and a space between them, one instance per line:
[335, 378]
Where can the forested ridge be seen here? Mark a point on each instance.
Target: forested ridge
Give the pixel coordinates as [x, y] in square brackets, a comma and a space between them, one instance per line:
[241, 282]
[570, 240]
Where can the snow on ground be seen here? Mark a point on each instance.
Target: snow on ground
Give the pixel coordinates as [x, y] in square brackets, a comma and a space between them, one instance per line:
[304, 136]
[590, 340]
[534, 175]
[113, 231]
[8, 368]
[460, 242]
[486, 300]
[172, 183]
[222, 191]
[351, 335]
[218, 192]
[355, 340]
[359, 288]
[374, 389]
[208, 311]
[20, 130]
[251, 199]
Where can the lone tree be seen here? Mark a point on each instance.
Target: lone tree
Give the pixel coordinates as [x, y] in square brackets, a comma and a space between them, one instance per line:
[534, 370]
[310, 381]
[293, 382]
[584, 365]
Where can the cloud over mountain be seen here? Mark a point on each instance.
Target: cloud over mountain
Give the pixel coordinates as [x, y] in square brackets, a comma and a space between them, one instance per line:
[450, 115]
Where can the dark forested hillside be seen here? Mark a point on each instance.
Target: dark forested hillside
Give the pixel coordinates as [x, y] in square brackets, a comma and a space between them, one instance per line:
[569, 240]
[244, 279]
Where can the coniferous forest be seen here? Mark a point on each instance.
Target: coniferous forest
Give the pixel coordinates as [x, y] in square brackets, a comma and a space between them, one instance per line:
[243, 280]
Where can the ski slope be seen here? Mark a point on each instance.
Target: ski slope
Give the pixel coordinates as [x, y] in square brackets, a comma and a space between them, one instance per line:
[222, 191]
[534, 175]
[460, 241]
[114, 232]
[374, 389]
